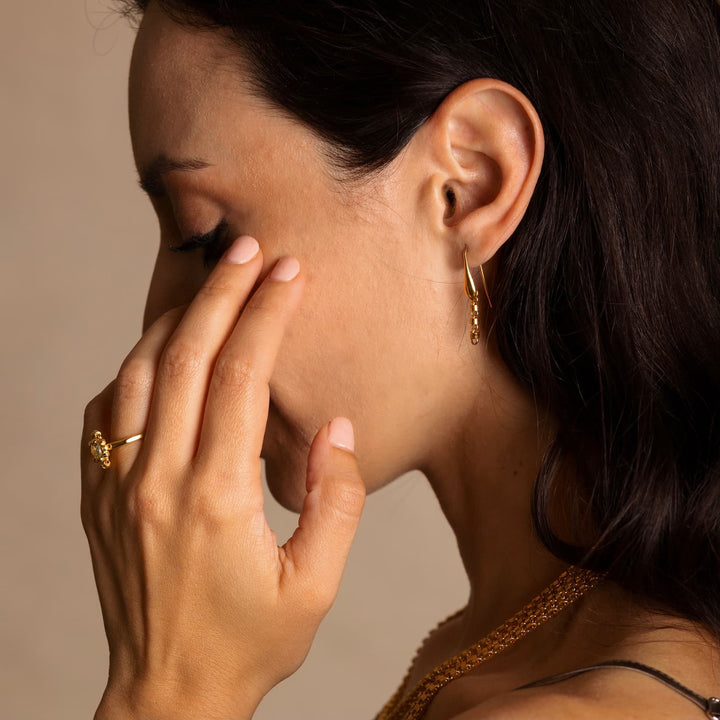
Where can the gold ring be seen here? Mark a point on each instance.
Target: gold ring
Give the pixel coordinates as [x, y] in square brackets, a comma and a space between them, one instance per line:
[100, 448]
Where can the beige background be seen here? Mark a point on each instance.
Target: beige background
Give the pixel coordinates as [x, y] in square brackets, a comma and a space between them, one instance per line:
[78, 242]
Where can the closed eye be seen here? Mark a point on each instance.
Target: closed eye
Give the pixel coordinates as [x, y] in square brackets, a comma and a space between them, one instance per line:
[213, 244]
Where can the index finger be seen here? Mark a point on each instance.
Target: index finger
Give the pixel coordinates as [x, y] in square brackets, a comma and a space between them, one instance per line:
[187, 360]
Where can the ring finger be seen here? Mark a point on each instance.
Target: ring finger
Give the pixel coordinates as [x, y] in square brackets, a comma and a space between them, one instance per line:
[134, 384]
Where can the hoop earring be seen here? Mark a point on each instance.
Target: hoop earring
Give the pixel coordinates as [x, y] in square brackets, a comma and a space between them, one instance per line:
[474, 297]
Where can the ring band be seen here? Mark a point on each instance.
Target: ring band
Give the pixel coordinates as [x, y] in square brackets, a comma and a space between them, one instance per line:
[100, 448]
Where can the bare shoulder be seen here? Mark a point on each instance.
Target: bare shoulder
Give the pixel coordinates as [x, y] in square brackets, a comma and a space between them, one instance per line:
[557, 704]
[686, 653]
[546, 705]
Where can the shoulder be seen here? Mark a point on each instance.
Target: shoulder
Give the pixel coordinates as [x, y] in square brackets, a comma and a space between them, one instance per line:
[480, 698]
[643, 703]
[546, 706]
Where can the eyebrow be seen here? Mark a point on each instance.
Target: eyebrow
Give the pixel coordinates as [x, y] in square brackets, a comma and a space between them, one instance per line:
[151, 176]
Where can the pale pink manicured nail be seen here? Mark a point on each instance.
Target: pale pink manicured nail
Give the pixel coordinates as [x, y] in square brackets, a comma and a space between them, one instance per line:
[286, 269]
[341, 434]
[244, 249]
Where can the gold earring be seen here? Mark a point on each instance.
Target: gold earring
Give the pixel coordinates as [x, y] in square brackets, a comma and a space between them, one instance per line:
[474, 297]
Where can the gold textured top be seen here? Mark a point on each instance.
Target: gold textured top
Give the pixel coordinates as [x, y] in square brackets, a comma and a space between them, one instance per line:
[571, 585]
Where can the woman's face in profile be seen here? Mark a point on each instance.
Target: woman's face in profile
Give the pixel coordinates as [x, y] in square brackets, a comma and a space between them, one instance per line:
[378, 331]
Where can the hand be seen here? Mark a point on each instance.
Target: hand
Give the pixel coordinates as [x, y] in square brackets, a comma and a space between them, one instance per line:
[204, 613]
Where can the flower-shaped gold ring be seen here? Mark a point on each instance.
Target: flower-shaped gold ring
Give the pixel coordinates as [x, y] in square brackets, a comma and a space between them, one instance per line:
[100, 448]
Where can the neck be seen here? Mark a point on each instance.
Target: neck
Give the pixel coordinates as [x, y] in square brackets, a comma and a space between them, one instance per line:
[482, 472]
[484, 486]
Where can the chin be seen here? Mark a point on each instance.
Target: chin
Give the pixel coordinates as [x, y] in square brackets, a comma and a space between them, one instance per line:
[285, 455]
[288, 488]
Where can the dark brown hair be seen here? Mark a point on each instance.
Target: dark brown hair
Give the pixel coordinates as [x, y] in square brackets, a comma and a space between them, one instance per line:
[606, 300]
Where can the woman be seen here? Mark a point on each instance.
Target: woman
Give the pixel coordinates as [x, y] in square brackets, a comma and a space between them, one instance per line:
[331, 181]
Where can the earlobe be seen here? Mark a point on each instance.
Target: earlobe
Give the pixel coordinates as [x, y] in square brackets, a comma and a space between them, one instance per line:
[489, 143]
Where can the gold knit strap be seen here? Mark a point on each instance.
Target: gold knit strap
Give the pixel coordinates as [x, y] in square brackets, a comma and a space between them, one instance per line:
[395, 699]
[570, 586]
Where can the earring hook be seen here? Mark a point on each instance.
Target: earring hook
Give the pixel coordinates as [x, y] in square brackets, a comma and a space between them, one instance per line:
[470, 289]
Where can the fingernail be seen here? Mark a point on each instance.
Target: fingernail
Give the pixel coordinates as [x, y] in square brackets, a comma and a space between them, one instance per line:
[286, 269]
[341, 434]
[244, 249]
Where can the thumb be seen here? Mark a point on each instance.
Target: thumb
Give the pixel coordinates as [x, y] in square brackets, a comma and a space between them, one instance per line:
[330, 515]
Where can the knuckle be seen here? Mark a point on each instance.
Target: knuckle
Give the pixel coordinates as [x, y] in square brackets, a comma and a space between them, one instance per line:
[89, 413]
[320, 598]
[134, 379]
[352, 501]
[349, 496]
[213, 289]
[262, 305]
[209, 509]
[146, 506]
[171, 316]
[181, 359]
[96, 514]
[94, 407]
[234, 371]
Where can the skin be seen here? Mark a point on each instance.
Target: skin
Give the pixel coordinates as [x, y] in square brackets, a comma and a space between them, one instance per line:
[374, 328]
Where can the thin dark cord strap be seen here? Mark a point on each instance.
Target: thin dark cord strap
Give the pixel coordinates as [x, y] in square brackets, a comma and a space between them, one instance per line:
[711, 706]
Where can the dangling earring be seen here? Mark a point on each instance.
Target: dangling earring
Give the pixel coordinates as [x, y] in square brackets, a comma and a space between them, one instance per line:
[474, 297]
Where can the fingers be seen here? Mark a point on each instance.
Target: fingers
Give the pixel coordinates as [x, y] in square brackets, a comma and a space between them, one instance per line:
[318, 550]
[96, 496]
[97, 417]
[187, 361]
[134, 384]
[235, 416]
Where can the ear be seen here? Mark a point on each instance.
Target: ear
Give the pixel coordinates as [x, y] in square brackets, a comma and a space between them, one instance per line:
[487, 147]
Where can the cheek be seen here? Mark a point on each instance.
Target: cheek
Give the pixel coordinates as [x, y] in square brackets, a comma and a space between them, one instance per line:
[341, 355]
[331, 339]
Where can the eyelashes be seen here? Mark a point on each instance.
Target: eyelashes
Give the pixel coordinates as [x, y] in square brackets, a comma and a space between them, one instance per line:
[213, 244]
